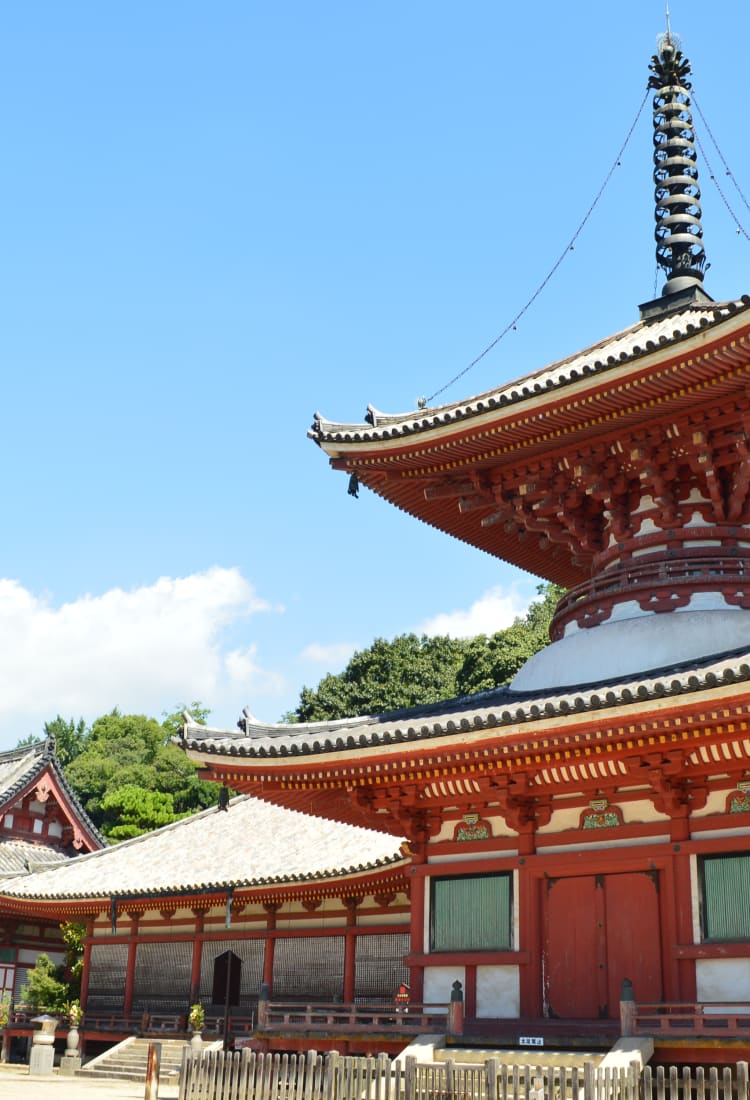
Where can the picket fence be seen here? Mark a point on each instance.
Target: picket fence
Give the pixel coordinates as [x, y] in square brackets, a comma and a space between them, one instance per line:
[246, 1075]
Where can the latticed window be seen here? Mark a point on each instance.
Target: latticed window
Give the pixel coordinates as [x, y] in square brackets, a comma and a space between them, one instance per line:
[725, 882]
[250, 952]
[471, 913]
[162, 976]
[379, 966]
[107, 970]
[308, 968]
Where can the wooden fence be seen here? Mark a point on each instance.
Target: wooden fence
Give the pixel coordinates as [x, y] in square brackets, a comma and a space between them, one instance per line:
[246, 1075]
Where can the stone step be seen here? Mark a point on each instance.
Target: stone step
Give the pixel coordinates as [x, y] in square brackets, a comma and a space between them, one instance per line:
[127, 1061]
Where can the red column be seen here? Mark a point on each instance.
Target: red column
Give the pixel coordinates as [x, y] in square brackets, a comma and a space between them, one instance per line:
[350, 948]
[127, 1006]
[195, 971]
[416, 896]
[271, 908]
[86, 968]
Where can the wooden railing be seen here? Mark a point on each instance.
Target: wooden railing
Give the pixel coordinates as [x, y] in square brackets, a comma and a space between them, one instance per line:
[291, 1016]
[689, 1020]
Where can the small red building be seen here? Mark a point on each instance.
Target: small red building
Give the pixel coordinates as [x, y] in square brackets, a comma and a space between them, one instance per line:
[42, 825]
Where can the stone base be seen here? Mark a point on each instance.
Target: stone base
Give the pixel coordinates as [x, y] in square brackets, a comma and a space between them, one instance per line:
[42, 1060]
[69, 1065]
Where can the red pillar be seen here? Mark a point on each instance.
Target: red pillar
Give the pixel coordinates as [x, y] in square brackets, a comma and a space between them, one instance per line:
[195, 970]
[350, 948]
[271, 908]
[418, 884]
[127, 1006]
[86, 968]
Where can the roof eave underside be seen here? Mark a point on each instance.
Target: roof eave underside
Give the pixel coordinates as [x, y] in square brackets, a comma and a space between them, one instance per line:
[537, 418]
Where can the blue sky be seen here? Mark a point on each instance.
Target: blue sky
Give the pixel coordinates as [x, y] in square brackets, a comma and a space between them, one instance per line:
[220, 218]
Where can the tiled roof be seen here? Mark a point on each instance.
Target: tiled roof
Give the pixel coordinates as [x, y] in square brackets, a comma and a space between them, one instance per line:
[486, 710]
[20, 767]
[17, 857]
[602, 358]
[253, 843]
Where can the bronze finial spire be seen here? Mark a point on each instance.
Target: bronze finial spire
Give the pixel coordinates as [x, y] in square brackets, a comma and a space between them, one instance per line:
[679, 233]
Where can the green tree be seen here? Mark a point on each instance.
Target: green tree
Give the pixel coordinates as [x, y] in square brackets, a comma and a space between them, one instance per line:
[132, 810]
[72, 935]
[491, 662]
[412, 670]
[28, 741]
[45, 986]
[387, 676]
[133, 751]
[70, 737]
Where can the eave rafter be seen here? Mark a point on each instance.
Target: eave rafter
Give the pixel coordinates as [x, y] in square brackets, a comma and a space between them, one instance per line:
[519, 771]
[549, 485]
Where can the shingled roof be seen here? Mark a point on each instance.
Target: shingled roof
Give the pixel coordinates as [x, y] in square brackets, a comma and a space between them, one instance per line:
[253, 843]
[485, 710]
[607, 356]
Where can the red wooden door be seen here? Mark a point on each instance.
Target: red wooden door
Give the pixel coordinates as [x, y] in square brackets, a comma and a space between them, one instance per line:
[599, 929]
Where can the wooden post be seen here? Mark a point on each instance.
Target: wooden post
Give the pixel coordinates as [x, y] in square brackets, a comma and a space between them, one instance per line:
[263, 1005]
[455, 1022]
[410, 1077]
[627, 1009]
[589, 1081]
[153, 1066]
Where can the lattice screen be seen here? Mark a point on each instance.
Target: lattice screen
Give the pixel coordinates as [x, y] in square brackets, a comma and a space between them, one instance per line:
[162, 977]
[107, 970]
[309, 968]
[251, 952]
[379, 966]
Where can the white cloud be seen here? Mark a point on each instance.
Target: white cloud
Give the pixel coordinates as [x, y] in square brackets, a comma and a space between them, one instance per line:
[334, 656]
[142, 650]
[494, 610]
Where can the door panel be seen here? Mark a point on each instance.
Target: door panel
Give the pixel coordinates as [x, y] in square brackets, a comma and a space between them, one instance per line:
[599, 929]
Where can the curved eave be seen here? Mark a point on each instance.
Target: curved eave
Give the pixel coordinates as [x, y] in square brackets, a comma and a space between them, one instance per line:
[348, 881]
[638, 379]
[286, 772]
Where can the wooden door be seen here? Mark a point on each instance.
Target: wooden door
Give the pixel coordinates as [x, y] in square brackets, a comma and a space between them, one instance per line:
[599, 929]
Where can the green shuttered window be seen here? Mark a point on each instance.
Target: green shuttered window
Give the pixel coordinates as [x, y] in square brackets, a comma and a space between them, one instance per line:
[471, 913]
[726, 889]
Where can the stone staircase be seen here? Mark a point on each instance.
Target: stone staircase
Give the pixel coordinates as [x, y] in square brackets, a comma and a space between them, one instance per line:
[127, 1060]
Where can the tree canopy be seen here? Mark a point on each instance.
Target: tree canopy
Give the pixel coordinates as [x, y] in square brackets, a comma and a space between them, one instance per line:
[411, 670]
[125, 771]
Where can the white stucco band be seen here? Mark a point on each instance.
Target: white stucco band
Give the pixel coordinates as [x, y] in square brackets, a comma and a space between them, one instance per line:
[634, 645]
[724, 980]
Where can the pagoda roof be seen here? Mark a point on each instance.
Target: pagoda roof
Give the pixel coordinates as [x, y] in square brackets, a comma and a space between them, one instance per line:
[456, 752]
[446, 464]
[485, 710]
[251, 844]
[29, 766]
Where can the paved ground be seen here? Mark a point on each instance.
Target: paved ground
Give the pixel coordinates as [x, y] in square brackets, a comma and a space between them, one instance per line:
[16, 1084]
